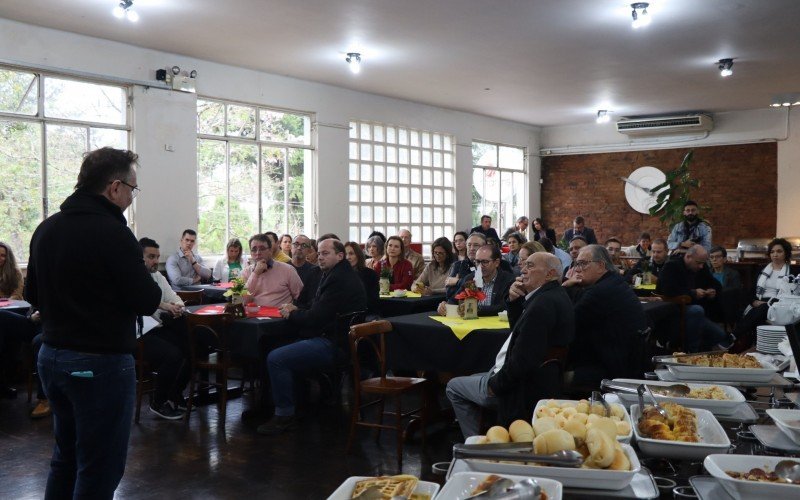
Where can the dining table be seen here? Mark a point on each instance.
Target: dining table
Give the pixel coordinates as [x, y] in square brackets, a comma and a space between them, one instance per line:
[411, 303]
[213, 293]
[14, 305]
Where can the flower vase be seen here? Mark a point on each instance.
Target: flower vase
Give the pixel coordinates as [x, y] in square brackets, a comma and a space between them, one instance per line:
[384, 285]
[470, 308]
[236, 299]
[647, 278]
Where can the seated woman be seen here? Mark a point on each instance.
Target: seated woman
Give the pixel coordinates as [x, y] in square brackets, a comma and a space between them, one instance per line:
[432, 279]
[10, 275]
[540, 230]
[286, 244]
[526, 250]
[355, 256]
[780, 255]
[232, 264]
[515, 241]
[460, 245]
[402, 270]
[374, 248]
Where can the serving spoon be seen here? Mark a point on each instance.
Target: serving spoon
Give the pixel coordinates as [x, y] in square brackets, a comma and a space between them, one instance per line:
[672, 391]
[788, 470]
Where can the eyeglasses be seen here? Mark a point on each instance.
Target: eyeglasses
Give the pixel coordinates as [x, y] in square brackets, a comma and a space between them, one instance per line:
[258, 249]
[300, 245]
[581, 264]
[134, 189]
[484, 262]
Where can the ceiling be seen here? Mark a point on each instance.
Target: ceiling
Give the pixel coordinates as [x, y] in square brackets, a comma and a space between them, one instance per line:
[541, 62]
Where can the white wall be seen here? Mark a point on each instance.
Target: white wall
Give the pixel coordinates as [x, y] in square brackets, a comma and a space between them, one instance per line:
[168, 202]
[771, 125]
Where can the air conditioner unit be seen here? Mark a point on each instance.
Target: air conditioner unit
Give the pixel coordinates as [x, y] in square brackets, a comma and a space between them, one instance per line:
[688, 124]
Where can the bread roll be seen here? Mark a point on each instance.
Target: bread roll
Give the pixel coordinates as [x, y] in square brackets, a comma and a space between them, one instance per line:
[552, 404]
[545, 411]
[552, 441]
[598, 409]
[617, 412]
[561, 420]
[582, 406]
[520, 431]
[568, 404]
[592, 418]
[601, 447]
[621, 461]
[544, 424]
[580, 417]
[577, 428]
[497, 434]
[482, 440]
[606, 425]
[569, 411]
[623, 428]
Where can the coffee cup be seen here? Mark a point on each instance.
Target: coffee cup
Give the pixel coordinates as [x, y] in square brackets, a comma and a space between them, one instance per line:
[452, 310]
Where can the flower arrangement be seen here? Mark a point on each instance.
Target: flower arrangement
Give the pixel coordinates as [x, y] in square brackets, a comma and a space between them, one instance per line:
[386, 273]
[471, 292]
[237, 289]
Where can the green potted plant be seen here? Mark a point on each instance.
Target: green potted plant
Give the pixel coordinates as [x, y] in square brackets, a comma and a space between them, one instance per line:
[672, 194]
[237, 291]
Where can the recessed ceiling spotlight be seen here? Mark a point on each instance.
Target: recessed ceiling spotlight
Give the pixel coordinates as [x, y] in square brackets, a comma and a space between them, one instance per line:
[603, 116]
[354, 60]
[725, 67]
[125, 9]
[641, 17]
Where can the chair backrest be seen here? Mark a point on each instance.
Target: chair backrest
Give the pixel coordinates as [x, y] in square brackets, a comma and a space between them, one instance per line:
[191, 298]
[206, 328]
[365, 332]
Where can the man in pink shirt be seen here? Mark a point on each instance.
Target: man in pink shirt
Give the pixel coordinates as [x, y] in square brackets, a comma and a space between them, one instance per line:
[270, 283]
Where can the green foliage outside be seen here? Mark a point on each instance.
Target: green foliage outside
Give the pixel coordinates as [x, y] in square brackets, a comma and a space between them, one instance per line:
[674, 192]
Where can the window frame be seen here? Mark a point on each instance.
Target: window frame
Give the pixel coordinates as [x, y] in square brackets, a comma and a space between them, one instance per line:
[500, 218]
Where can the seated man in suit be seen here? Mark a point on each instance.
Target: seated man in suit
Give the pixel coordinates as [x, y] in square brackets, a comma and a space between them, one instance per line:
[609, 321]
[495, 282]
[542, 325]
[340, 291]
[485, 228]
[689, 275]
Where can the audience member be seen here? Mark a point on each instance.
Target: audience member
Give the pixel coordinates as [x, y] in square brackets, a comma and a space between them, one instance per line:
[432, 279]
[417, 262]
[309, 273]
[542, 324]
[610, 323]
[642, 248]
[540, 230]
[231, 264]
[579, 229]
[11, 281]
[376, 233]
[286, 244]
[277, 253]
[563, 256]
[460, 245]
[355, 256]
[526, 250]
[331, 236]
[692, 231]
[311, 254]
[375, 247]
[689, 275]
[575, 246]
[515, 241]
[185, 266]
[463, 267]
[658, 258]
[614, 248]
[269, 282]
[340, 291]
[486, 229]
[402, 272]
[520, 227]
[730, 299]
[15, 329]
[165, 348]
[780, 255]
[496, 282]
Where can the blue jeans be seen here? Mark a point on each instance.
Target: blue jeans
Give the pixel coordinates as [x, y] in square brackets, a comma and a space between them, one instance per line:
[302, 357]
[92, 397]
[702, 334]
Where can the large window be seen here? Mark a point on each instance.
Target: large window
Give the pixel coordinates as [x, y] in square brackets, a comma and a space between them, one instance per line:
[252, 165]
[401, 178]
[498, 184]
[47, 123]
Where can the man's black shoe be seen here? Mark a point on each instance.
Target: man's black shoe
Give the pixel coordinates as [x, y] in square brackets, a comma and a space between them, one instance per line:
[278, 425]
[165, 410]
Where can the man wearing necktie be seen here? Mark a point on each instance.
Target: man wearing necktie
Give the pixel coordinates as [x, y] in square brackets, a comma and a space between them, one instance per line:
[543, 325]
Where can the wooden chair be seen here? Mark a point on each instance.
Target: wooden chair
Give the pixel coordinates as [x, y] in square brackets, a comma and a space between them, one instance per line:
[382, 387]
[145, 377]
[209, 330]
[681, 301]
[191, 298]
[333, 378]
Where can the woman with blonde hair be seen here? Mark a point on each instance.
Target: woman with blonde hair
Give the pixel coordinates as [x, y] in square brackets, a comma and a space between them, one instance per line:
[10, 276]
[231, 264]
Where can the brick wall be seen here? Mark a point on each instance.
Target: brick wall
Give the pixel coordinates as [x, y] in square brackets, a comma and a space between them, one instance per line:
[738, 184]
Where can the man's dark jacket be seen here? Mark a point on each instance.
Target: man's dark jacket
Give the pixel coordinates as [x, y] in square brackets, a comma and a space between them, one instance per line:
[676, 279]
[542, 325]
[87, 276]
[502, 282]
[609, 320]
[339, 292]
[464, 267]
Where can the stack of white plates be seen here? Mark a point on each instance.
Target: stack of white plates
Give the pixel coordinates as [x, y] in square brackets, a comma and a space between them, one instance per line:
[768, 338]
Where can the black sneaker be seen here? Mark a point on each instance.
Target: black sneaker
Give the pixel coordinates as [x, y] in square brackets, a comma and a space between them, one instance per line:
[277, 425]
[165, 410]
[179, 405]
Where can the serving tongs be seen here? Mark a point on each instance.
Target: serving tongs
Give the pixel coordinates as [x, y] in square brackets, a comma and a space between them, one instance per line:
[516, 452]
[640, 392]
[670, 391]
[597, 397]
[666, 359]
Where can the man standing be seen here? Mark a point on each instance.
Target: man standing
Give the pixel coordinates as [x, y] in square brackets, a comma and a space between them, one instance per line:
[690, 276]
[309, 273]
[417, 262]
[496, 282]
[520, 227]
[87, 277]
[542, 326]
[579, 229]
[185, 266]
[270, 283]
[340, 292]
[486, 229]
[692, 231]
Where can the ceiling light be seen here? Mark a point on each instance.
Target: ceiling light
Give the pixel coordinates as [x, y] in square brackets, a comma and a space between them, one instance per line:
[125, 9]
[775, 105]
[641, 17]
[354, 60]
[725, 67]
[603, 116]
